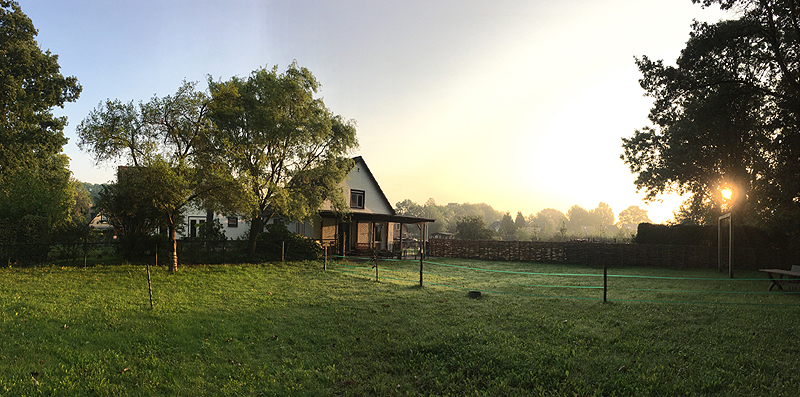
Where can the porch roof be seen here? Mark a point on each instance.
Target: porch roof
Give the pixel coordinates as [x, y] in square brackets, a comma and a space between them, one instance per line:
[372, 217]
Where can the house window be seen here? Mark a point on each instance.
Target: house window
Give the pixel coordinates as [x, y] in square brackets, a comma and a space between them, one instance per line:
[233, 221]
[357, 199]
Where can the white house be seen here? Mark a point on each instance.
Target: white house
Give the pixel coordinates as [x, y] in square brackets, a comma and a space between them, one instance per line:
[371, 225]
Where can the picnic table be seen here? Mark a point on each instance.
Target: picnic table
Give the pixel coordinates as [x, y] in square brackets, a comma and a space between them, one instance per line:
[793, 276]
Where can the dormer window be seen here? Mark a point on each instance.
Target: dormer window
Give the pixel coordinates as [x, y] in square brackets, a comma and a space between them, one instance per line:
[357, 199]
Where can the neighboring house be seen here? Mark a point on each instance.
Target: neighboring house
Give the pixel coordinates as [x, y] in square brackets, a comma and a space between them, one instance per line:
[234, 227]
[495, 226]
[100, 222]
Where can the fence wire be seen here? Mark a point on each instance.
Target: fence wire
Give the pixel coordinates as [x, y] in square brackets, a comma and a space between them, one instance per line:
[577, 285]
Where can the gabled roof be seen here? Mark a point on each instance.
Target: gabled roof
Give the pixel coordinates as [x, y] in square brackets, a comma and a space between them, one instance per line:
[376, 217]
[359, 159]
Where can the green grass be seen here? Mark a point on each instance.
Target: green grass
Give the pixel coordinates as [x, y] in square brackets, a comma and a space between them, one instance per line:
[293, 329]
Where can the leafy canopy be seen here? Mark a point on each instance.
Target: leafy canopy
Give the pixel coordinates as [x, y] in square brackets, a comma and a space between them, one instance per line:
[35, 186]
[286, 149]
[726, 115]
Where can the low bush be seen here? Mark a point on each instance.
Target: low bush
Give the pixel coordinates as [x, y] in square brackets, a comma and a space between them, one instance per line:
[276, 239]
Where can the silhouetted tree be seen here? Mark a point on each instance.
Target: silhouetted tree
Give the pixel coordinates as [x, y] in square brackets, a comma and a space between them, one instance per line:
[472, 227]
[507, 227]
[634, 215]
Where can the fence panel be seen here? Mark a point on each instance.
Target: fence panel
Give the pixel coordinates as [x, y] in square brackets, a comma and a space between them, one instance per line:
[581, 253]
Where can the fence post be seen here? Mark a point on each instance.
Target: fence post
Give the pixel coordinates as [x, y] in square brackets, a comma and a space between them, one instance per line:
[605, 281]
[149, 285]
[283, 250]
[325, 258]
[375, 261]
[421, 258]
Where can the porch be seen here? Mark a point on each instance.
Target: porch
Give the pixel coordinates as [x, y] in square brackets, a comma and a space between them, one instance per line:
[367, 234]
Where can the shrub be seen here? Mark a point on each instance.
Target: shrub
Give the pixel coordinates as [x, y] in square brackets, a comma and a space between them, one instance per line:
[297, 246]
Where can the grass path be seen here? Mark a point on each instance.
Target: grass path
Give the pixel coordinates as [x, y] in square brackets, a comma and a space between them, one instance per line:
[292, 329]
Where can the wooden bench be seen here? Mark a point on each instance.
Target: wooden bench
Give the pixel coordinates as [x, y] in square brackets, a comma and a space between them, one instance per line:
[793, 276]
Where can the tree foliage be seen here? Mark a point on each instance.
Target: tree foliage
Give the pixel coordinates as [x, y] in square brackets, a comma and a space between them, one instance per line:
[446, 216]
[35, 187]
[171, 165]
[633, 215]
[727, 114]
[31, 84]
[547, 223]
[507, 227]
[287, 150]
[472, 227]
[519, 221]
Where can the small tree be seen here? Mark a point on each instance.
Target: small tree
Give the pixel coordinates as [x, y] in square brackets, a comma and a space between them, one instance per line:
[472, 227]
[507, 227]
[519, 221]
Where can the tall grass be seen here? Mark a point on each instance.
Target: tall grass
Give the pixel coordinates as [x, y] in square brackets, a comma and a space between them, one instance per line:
[293, 329]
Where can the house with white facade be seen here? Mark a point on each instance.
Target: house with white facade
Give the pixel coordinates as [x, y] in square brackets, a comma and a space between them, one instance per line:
[371, 225]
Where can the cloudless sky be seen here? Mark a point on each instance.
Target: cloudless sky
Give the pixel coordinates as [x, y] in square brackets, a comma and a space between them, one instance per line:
[518, 104]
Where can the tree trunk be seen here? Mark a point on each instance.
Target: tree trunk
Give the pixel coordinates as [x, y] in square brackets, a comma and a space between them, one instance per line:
[173, 263]
[256, 226]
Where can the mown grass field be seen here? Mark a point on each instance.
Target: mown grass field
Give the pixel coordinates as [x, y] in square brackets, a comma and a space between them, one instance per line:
[293, 329]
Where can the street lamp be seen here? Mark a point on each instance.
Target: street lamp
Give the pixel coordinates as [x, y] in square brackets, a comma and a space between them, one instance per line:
[727, 193]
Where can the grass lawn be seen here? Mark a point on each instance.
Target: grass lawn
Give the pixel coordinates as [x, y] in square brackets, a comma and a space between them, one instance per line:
[293, 329]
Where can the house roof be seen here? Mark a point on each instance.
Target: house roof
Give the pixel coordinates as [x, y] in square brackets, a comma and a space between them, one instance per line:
[359, 159]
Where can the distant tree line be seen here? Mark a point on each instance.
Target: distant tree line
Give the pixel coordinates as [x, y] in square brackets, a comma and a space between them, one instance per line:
[482, 222]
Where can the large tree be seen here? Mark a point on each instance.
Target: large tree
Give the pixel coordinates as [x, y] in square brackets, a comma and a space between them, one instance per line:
[633, 215]
[35, 187]
[286, 149]
[727, 114]
[547, 222]
[170, 164]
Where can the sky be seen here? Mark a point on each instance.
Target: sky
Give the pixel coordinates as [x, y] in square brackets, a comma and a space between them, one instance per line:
[518, 104]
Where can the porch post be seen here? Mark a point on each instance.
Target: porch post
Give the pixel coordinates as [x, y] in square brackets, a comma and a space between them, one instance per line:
[422, 250]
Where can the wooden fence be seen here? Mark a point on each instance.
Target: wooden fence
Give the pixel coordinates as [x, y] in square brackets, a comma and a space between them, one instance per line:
[600, 254]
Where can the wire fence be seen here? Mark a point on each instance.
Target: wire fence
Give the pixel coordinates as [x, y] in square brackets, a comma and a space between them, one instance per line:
[189, 251]
[550, 281]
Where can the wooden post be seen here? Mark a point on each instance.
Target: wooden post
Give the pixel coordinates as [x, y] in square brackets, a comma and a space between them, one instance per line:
[400, 257]
[325, 258]
[375, 262]
[605, 281]
[730, 248]
[149, 286]
[421, 258]
[283, 250]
